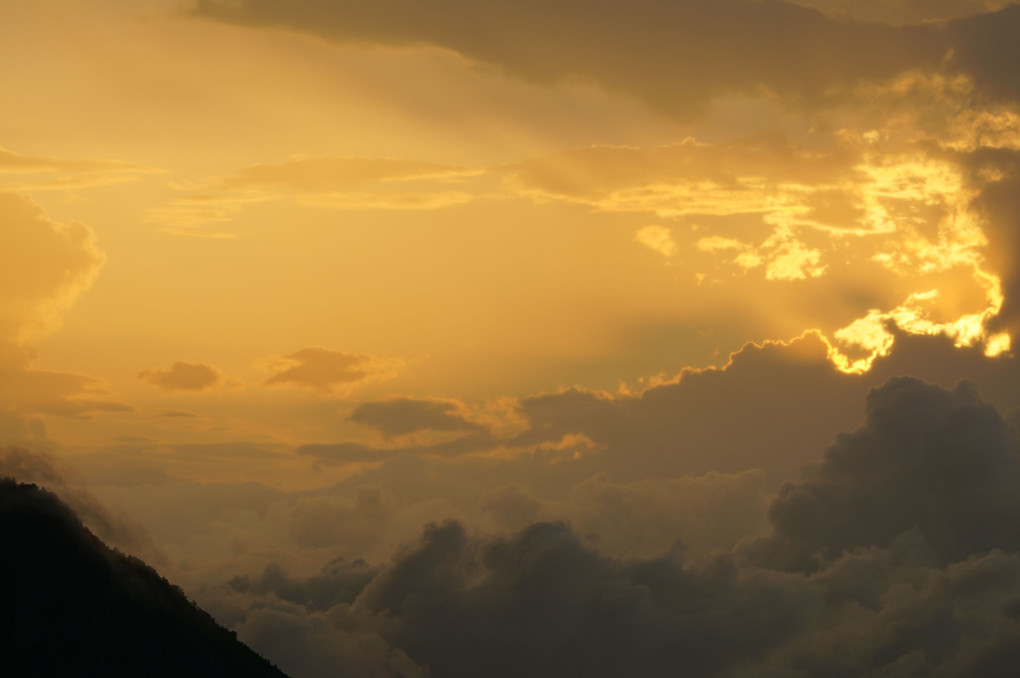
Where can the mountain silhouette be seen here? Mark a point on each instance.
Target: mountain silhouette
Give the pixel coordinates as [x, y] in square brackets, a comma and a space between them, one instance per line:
[71, 606]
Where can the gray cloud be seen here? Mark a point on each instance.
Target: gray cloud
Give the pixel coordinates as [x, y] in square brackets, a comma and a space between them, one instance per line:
[896, 554]
[944, 463]
[673, 55]
[400, 416]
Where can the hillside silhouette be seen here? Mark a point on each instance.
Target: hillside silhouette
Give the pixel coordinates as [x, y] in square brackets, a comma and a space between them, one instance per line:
[71, 606]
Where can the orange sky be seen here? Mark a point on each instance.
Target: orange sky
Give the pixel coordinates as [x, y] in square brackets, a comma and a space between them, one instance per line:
[302, 244]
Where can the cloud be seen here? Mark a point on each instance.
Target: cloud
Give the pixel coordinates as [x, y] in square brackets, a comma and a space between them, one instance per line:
[59, 393]
[345, 453]
[40, 468]
[402, 416]
[904, 12]
[657, 239]
[329, 371]
[943, 463]
[183, 376]
[333, 175]
[44, 173]
[675, 56]
[702, 515]
[44, 266]
[845, 208]
[316, 645]
[895, 554]
[331, 183]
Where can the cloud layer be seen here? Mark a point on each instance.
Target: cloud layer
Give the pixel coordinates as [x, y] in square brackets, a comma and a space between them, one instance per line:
[895, 554]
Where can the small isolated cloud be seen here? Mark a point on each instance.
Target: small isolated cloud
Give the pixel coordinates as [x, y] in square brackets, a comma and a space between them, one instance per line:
[183, 376]
[657, 238]
[328, 371]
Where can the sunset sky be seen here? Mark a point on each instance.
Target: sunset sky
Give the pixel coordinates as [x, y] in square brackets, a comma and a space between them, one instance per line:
[287, 281]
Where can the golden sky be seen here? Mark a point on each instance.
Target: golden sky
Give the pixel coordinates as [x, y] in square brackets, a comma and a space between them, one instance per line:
[543, 248]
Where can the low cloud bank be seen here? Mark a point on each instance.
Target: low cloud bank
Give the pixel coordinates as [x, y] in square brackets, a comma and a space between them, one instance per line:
[895, 554]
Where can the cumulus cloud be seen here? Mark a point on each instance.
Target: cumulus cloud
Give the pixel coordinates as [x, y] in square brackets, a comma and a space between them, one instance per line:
[895, 554]
[182, 376]
[44, 266]
[943, 463]
[328, 371]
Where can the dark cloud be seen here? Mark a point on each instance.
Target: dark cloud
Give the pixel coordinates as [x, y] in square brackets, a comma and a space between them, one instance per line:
[182, 376]
[355, 524]
[997, 205]
[340, 581]
[984, 48]
[901, 12]
[400, 416]
[787, 396]
[688, 427]
[706, 514]
[944, 463]
[673, 55]
[896, 554]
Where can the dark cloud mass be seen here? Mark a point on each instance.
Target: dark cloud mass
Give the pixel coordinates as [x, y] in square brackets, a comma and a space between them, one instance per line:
[896, 554]
[674, 55]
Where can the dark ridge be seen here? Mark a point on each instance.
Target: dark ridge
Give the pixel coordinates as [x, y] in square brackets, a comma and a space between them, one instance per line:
[71, 606]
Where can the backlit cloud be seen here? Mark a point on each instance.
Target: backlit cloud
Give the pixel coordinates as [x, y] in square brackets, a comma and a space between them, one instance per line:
[44, 266]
